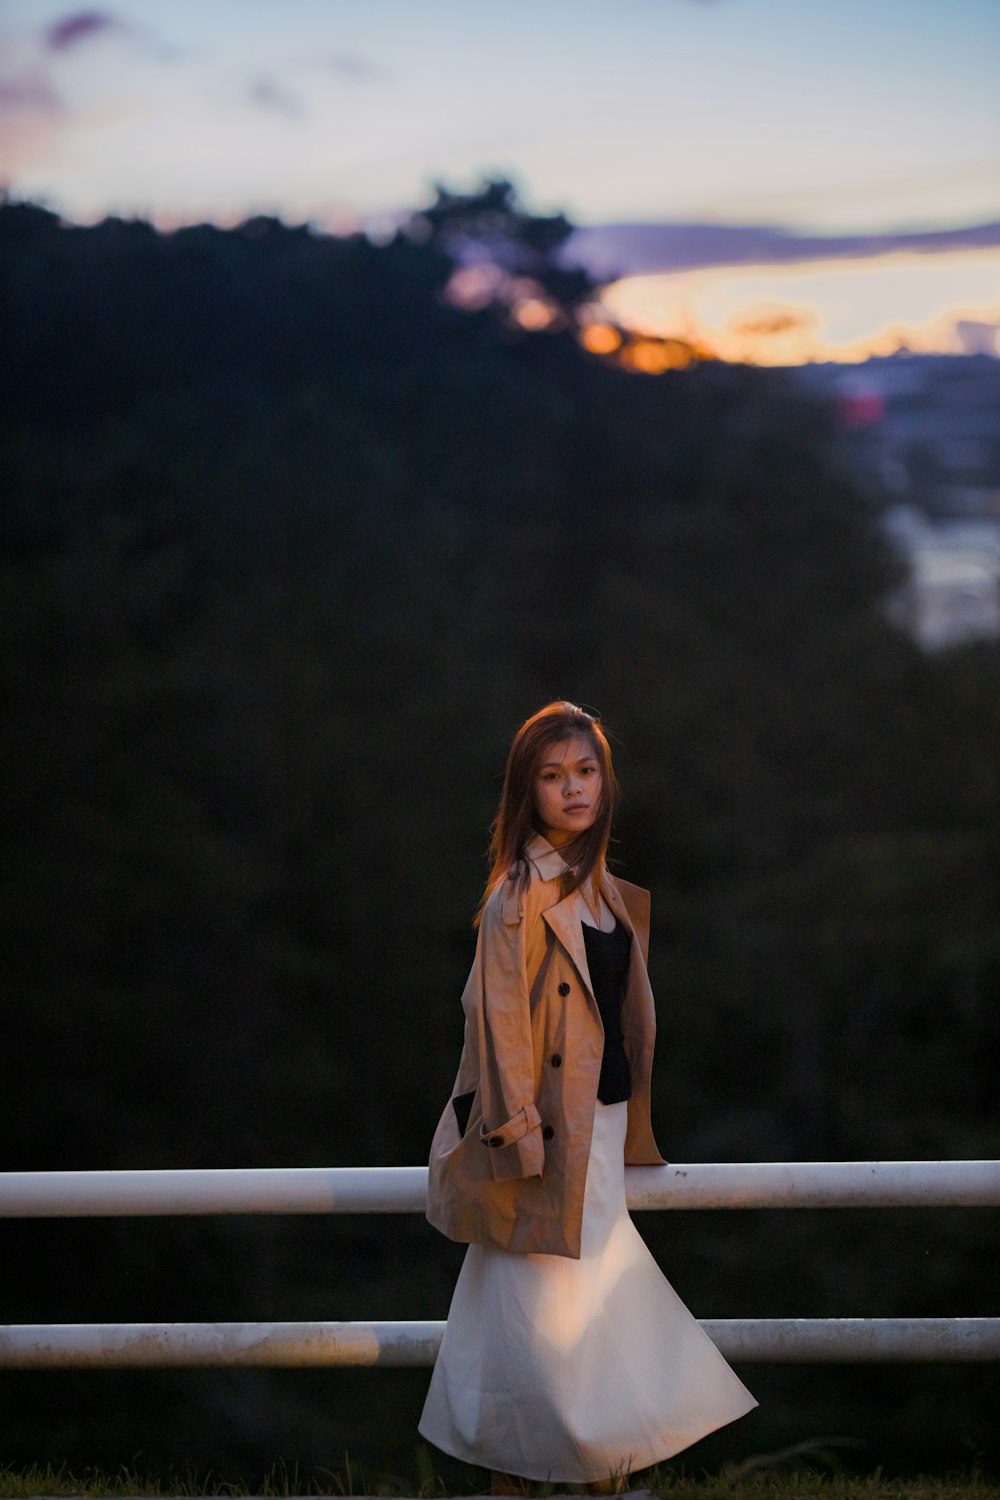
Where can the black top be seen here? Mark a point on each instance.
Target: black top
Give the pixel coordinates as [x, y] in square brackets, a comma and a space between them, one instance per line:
[608, 960]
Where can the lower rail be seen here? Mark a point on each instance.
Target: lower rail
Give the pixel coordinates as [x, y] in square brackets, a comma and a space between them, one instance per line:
[90, 1346]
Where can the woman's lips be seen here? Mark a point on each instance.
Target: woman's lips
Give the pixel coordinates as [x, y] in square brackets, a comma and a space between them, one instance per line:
[579, 807]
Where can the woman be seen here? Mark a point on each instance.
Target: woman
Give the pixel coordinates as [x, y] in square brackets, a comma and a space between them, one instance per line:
[567, 1356]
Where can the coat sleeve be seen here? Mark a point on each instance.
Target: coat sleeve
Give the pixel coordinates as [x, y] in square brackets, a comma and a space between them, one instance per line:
[511, 1128]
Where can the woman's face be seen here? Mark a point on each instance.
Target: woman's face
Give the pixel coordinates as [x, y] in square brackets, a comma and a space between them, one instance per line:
[567, 789]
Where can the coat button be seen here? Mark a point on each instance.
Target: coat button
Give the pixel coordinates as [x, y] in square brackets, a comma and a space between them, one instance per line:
[556, 1059]
[494, 1140]
[547, 1132]
[564, 988]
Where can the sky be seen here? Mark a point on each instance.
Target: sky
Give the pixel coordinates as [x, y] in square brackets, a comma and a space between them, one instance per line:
[832, 117]
[841, 309]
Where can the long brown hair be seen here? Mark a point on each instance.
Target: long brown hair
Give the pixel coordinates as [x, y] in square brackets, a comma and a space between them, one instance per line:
[517, 819]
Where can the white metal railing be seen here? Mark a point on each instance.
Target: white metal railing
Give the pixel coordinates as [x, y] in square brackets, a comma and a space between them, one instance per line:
[372, 1190]
[403, 1190]
[99, 1346]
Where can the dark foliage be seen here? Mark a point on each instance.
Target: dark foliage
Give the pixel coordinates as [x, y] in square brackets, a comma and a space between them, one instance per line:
[290, 546]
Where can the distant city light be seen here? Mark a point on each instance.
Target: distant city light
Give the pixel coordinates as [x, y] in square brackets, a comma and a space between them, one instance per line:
[653, 356]
[600, 338]
[533, 314]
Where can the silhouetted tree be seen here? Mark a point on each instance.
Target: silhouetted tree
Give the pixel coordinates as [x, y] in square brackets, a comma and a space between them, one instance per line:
[491, 225]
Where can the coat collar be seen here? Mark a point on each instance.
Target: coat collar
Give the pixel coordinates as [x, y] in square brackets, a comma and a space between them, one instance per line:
[547, 860]
[564, 915]
[550, 866]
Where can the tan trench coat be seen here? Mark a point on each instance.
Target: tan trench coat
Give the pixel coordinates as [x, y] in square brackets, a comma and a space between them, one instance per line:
[530, 1068]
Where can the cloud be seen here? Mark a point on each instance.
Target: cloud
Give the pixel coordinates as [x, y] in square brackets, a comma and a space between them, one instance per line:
[266, 93]
[80, 26]
[351, 65]
[346, 67]
[612, 250]
[46, 82]
[32, 115]
[29, 91]
[270, 93]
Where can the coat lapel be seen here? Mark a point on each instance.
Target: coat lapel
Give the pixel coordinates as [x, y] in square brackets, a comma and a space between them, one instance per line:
[564, 920]
[630, 904]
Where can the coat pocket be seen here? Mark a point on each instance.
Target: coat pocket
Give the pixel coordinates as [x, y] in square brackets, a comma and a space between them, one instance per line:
[462, 1105]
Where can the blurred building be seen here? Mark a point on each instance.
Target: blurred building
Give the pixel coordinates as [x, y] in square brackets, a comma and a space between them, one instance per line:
[953, 591]
[922, 433]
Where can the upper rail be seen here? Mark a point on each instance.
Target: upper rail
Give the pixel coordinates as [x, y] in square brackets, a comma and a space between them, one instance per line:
[349, 1190]
[95, 1346]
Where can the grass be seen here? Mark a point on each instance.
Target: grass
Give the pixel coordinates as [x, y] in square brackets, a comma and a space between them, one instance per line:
[781, 1480]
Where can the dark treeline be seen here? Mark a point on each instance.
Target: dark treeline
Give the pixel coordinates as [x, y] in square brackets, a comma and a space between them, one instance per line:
[290, 547]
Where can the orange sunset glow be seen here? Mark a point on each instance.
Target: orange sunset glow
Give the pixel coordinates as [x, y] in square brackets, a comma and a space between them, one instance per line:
[829, 310]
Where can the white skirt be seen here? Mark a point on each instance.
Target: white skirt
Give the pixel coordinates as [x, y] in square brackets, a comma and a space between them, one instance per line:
[574, 1370]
